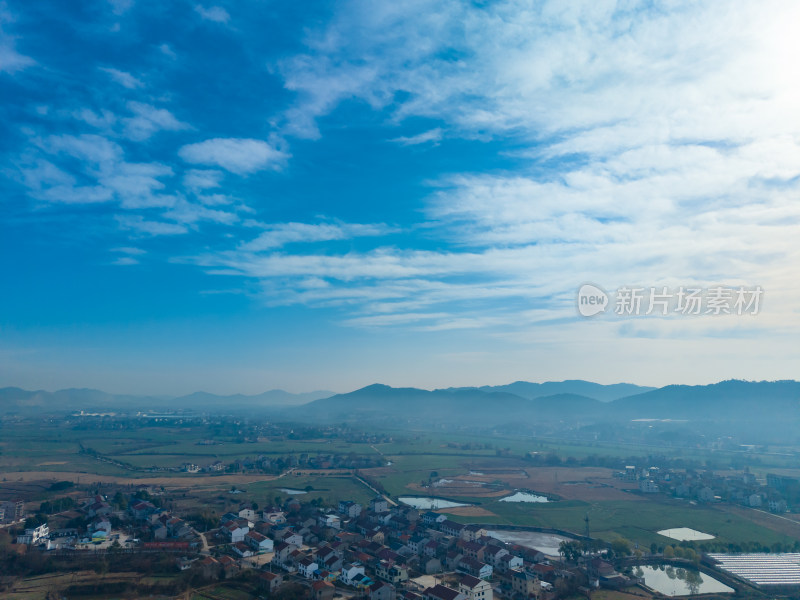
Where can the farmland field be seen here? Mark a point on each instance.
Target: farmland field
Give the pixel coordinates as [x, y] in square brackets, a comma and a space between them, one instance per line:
[464, 468]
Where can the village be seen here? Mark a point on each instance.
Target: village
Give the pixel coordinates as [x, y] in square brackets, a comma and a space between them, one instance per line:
[381, 551]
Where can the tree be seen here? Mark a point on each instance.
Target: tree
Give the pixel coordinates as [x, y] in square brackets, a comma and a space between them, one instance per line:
[669, 552]
[120, 501]
[571, 551]
[621, 547]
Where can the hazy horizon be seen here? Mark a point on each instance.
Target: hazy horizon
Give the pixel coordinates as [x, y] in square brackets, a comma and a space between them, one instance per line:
[346, 391]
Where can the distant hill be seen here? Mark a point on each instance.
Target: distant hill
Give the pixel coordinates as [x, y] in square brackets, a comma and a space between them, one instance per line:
[464, 405]
[763, 404]
[589, 389]
[16, 400]
[726, 400]
[769, 406]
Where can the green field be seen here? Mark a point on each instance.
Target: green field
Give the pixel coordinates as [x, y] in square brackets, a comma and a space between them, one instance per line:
[413, 456]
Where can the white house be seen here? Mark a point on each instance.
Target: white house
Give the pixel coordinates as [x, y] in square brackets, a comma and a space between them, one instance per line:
[474, 588]
[507, 562]
[247, 513]
[242, 549]
[349, 571]
[330, 520]
[235, 532]
[258, 542]
[493, 554]
[307, 567]
[291, 537]
[648, 486]
[350, 508]
[379, 504]
[475, 568]
[34, 535]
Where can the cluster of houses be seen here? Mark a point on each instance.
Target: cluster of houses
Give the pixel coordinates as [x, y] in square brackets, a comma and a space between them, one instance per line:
[11, 511]
[271, 464]
[707, 486]
[152, 527]
[376, 551]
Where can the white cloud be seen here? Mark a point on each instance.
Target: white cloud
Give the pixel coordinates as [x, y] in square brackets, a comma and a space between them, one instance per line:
[11, 61]
[123, 78]
[125, 261]
[94, 149]
[202, 179]
[120, 7]
[69, 194]
[138, 184]
[280, 234]
[129, 250]
[104, 120]
[141, 225]
[240, 156]
[653, 146]
[148, 120]
[167, 51]
[187, 212]
[433, 135]
[512, 67]
[215, 199]
[134, 185]
[213, 13]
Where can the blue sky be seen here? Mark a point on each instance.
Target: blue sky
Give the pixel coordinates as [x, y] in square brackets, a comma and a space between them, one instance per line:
[239, 196]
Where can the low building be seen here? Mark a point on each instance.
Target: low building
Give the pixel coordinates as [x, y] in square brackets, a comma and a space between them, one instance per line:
[270, 581]
[307, 567]
[258, 542]
[34, 535]
[442, 592]
[525, 584]
[209, 567]
[474, 588]
[380, 590]
[323, 590]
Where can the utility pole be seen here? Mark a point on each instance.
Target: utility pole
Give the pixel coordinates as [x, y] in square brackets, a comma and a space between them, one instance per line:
[586, 520]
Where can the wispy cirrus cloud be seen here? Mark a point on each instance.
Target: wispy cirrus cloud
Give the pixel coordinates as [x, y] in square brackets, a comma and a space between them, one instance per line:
[11, 61]
[237, 155]
[216, 14]
[139, 224]
[123, 78]
[643, 136]
[148, 120]
[281, 234]
[202, 179]
[432, 135]
[131, 186]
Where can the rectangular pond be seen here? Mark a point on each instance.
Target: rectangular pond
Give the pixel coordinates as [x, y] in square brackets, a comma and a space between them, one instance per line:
[684, 534]
[544, 542]
[524, 497]
[677, 581]
[429, 503]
